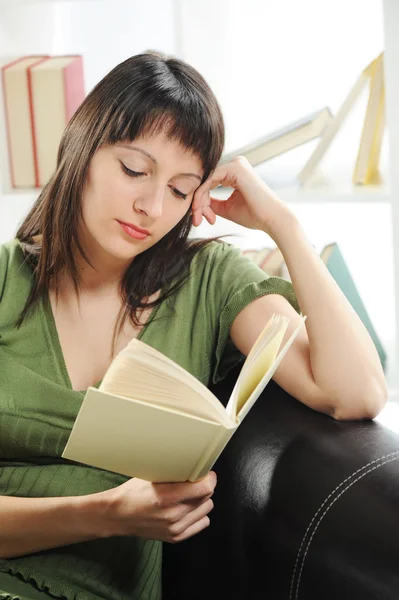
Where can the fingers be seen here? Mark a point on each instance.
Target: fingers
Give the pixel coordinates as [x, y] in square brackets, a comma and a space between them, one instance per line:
[190, 531]
[192, 522]
[188, 491]
[201, 205]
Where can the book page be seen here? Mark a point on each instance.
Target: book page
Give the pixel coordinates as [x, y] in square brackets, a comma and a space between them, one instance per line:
[258, 361]
[142, 373]
[260, 366]
[249, 402]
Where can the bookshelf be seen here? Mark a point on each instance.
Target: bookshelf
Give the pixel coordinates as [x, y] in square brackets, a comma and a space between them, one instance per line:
[54, 35]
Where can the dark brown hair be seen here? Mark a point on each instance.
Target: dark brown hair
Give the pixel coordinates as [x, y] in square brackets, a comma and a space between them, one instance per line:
[146, 94]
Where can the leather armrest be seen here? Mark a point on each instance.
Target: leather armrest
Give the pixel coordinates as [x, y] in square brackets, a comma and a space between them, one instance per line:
[305, 507]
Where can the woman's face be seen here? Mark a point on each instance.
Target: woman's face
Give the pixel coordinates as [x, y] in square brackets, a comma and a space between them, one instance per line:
[148, 183]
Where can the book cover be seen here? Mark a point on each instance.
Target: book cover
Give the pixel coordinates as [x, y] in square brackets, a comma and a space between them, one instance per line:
[337, 266]
[152, 419]
[372, 131]
[57, 91]
[286, 138]
[17, 104]
[373, 175]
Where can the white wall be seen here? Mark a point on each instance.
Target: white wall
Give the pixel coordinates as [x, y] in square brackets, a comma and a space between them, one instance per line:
[104, 31]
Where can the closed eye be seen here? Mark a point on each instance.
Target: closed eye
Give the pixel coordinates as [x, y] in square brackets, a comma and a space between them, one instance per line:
[179, 194]
[131, 173]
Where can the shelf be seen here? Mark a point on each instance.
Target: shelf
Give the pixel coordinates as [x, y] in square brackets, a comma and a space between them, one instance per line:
[336, 194]
[20, 195]
[325, 193]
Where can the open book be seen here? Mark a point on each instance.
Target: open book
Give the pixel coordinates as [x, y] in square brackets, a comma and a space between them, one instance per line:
[152, 419]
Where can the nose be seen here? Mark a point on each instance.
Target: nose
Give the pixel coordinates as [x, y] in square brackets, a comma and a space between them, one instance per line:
[151, 201]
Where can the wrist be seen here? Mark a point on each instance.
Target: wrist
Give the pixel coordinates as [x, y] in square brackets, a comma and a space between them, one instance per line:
[282, 225]
[93, 510]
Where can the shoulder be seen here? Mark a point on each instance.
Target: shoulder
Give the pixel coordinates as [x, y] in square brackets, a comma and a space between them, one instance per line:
[11, 254]
[11, 262]
[216, 253]
[11, 250]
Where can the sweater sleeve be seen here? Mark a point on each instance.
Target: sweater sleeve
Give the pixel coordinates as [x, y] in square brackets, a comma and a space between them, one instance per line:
[237, 282]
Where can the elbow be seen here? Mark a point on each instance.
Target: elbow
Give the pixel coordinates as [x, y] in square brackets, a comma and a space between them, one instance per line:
[363, 407]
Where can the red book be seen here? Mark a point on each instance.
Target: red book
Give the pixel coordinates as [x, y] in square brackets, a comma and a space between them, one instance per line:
[19, 123]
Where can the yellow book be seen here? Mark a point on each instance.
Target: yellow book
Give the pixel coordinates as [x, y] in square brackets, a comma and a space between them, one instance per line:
[336, 123]
[373, 173]
[152, 419]
[367, 161]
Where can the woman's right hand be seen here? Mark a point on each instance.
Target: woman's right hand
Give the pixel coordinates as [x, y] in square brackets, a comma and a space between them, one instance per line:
[171, 512]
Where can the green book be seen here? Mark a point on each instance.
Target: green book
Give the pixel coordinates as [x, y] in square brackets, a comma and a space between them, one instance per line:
[332, 257]
[335, 263]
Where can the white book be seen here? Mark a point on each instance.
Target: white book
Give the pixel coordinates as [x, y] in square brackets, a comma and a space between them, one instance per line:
[152, 419]
[284, 139]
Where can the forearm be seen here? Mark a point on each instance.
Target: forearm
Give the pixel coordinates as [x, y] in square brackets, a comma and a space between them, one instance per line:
[344, 361]
[28, 525]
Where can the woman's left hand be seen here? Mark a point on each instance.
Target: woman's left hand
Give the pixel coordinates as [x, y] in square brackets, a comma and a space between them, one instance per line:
[252, 204]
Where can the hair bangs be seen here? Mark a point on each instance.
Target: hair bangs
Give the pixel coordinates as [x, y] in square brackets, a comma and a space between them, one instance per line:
[180, 117]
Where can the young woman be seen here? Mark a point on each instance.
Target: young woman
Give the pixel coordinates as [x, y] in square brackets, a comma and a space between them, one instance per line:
[104, 256]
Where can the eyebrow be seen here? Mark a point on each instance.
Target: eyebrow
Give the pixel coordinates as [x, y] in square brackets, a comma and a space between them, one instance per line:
[155, 161]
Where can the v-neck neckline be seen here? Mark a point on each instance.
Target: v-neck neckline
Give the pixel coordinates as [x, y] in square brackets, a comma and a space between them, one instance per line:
[56, 343]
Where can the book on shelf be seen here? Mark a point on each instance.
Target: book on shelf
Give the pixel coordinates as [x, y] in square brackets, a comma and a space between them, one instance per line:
[336, 264]
[283, 139]
[337, 121]
[18, 117]
[152, 419]
[257, 256]
[57, 91]
[366, 169]
[270, 260]
[5, 167]
[40, 94]
[272, 263]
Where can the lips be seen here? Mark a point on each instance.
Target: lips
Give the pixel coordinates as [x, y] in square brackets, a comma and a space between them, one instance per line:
[139, 229]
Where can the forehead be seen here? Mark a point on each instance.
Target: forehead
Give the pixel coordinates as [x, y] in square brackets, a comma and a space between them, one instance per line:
[162, 140]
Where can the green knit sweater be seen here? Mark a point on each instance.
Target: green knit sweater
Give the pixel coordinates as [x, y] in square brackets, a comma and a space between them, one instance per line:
[38, 408]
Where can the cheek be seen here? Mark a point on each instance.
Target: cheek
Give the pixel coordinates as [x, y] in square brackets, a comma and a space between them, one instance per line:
[105, 198]
[176, 215]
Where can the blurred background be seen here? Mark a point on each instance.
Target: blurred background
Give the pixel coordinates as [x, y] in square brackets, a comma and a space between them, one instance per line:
[269, 63]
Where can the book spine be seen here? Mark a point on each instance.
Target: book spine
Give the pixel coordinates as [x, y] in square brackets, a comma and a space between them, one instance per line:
[73, 87]
[7, 128]
[32, 118]
[372, 172]
[359, 174]
[205, 464]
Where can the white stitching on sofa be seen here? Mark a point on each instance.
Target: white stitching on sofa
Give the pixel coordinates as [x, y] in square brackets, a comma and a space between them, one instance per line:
[395, 455]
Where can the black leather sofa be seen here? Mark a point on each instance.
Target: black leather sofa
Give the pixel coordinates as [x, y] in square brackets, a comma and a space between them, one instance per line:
[306, 508]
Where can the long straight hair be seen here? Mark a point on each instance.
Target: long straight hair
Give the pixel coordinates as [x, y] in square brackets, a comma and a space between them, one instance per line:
[144, 95]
